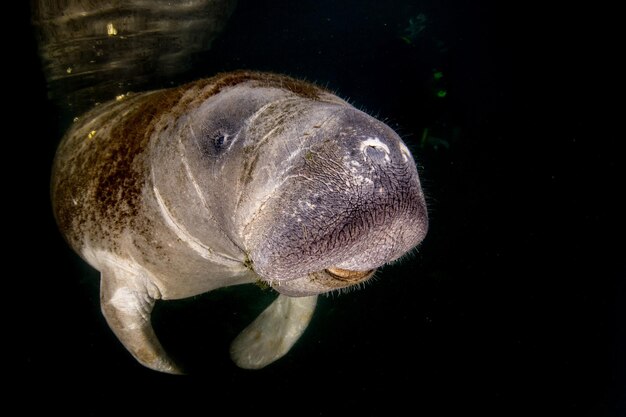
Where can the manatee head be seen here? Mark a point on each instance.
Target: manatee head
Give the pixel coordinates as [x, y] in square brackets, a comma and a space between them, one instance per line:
[330, 194]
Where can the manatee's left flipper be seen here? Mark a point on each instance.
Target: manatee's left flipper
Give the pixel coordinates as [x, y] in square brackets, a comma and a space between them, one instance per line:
[271, 335]
[126, 299]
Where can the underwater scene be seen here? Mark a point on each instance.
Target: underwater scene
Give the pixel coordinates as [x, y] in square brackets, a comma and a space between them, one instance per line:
[319, 208]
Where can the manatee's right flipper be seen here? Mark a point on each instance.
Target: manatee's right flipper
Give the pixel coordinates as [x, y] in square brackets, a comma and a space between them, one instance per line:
[270, 336]
[126, 299]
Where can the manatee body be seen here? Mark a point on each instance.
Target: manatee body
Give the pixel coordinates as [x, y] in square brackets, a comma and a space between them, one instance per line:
[239, 178]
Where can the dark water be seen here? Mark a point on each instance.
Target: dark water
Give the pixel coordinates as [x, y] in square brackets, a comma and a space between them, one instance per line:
[514, 303]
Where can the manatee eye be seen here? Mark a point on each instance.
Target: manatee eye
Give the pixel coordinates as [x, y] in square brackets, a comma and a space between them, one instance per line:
[220, 141]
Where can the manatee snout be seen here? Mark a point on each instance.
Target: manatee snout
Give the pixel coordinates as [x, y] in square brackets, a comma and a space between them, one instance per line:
[353, 204]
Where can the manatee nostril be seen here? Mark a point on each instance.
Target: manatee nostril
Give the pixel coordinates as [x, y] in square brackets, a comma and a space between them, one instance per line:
[375, 153]
[375, 150]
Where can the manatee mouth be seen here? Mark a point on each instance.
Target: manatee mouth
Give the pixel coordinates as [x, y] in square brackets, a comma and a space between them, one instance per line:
[320, 282]
[348, 275]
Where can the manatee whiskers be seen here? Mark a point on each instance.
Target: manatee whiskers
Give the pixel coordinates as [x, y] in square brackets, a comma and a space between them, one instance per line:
[358, 286]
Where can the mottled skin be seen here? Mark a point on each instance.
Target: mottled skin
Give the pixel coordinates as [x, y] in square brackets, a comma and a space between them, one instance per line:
[230, 180]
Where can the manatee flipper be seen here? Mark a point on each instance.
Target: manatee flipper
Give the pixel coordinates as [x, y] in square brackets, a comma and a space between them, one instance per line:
[270, 336]
[126, 300]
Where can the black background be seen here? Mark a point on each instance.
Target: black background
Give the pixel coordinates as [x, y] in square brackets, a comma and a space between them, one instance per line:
[514, 303]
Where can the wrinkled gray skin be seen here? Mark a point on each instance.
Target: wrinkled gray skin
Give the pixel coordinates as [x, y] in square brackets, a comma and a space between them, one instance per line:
[239, 178]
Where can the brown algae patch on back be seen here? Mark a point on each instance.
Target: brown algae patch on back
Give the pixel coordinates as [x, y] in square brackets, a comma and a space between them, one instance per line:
[99, 170]
[220, 81]
[122, 172]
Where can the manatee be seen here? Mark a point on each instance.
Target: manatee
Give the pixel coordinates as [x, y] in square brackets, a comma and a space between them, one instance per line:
[241, 178]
